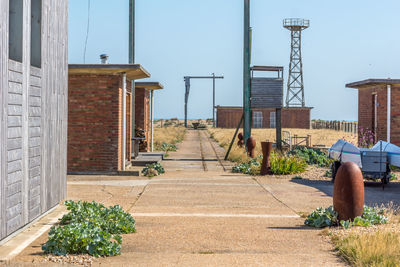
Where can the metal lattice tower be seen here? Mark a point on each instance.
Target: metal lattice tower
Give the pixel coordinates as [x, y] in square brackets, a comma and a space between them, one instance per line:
[295, 86]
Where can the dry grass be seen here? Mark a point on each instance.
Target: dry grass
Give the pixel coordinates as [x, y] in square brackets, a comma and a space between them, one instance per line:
[170, 135]
[318, 137]
[370, 246]
[379, 248]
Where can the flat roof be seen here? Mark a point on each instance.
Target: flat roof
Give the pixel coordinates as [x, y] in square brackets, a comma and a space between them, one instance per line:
[133, 71]
[236, 107]
[149, 85]
[371, 82]
[267, 68]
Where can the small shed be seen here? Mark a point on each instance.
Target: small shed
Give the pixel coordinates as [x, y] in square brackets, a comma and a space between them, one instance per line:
[229, 117]
[33, 113]
[99, 116]
[144, 110]
[374, 98]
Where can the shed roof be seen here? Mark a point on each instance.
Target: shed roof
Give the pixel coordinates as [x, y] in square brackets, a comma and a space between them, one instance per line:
[267, 68]
[133, 71]
[236, 107]
[149, 85]
[372, 82]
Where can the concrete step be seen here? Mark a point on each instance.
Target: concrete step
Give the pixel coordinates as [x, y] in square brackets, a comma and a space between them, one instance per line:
[147, 158]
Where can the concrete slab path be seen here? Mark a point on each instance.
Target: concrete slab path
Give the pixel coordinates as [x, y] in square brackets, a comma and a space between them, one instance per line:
[197, 214]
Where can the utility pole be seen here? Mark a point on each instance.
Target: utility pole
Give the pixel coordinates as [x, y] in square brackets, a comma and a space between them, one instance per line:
[246, 73]
[213, 99]
[187, 91]
[132, 61]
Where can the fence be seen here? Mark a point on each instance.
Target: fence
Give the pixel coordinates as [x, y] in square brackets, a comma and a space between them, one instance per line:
[346, 126]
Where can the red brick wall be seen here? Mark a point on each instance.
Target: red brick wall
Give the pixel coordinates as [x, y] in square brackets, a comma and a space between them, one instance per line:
[299, 118]
[291, 117]
[95, 123]
[395, 116]
[142, 112]
[366, 112]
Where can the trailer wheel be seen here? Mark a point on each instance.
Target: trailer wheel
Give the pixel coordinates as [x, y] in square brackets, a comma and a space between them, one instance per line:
[335, 166]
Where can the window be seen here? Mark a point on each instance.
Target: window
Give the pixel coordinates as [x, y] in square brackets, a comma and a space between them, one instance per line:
[15, 29]
[257, 119]
[36, 26]
[272, 119]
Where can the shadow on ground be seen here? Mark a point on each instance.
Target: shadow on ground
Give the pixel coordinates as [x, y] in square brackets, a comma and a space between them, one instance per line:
[375, 194]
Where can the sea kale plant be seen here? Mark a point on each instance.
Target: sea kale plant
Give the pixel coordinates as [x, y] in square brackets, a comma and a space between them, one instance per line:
[313, 156]
[89, 228]
[153, 169]
[329, 217]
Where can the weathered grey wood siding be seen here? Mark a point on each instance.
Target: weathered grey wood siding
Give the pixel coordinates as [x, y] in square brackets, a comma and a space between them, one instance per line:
[266, 92]
[33, 128]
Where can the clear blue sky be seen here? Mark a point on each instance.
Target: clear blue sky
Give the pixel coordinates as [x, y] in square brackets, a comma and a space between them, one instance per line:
[347, 41]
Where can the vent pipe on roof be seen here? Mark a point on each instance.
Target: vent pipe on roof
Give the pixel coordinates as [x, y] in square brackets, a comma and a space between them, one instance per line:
[104, 58]
[389, 89]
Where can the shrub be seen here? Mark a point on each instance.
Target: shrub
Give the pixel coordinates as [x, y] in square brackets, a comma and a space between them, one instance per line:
[89, 228]
[322, 217]
[153, 169]
[281, 164]
[312, 156]
[252, 167]
[167, 147]
[328, 217]
[366, 137]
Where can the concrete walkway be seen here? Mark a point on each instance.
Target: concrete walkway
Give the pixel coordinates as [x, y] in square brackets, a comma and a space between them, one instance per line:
[197, 214]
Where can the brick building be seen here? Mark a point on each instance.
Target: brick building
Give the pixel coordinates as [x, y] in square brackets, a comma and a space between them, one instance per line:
[229, 117]
[143, 111]
[97, 118]
[374, 98]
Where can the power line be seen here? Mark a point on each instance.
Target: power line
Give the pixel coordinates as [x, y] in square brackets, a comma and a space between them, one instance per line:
[87, 33]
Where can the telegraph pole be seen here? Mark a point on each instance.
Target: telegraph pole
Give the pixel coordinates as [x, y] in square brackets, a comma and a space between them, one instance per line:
[131, 31]
[246, 73]
[213, 99]
[132, 61]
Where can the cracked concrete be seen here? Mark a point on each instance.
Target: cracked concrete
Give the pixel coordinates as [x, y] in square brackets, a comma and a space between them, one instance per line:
[198, 215]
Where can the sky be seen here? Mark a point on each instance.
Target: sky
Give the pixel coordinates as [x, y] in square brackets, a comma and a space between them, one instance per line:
[347, 41]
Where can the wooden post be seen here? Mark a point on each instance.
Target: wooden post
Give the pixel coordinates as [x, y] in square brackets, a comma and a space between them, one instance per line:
[278, 120]
[309, 140]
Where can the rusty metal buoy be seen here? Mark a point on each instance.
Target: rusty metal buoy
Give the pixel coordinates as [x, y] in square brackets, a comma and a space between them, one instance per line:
[251, 145]
[240, 142]
[266, 163]
[348, 191]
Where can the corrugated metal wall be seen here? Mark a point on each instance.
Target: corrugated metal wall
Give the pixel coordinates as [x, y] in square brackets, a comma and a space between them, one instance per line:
[33, 131]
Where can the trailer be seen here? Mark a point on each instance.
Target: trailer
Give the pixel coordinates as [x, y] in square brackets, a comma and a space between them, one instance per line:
[374, 162]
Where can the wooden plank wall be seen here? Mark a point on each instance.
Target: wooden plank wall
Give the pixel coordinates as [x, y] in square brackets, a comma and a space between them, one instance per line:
[33, 119]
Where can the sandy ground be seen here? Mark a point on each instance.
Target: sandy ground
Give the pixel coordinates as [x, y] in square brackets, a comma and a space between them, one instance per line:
[197, 214]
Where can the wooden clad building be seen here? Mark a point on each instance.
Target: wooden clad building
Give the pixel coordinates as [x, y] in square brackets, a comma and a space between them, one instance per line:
[33, 95]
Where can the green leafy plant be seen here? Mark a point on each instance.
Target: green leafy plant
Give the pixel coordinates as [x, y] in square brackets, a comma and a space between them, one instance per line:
[328, 173]
[167, 147]
[251, 167]
[282, 164]
[89, 228]
[313, 156]
[322, 217]
[392, 177]
[328, 217]
[153, 169]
